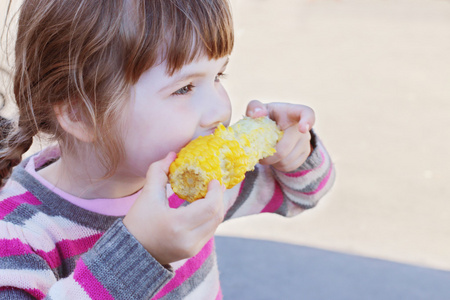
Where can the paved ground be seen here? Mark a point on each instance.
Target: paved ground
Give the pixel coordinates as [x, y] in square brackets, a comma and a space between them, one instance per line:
[265, 270]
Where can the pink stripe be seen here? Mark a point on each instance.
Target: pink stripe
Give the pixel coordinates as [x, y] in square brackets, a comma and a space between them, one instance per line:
[219, 294]
[68, 248]
[83, 276]
[10, 204]
[38, 294]
[276, 201]
[322, 183]
[304, 172]
[63, 249]
[34, 292]
[242, 186]
[175, 201]
[13, 247]
[187, 269]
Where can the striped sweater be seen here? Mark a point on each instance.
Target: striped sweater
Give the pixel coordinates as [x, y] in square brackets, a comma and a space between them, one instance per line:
[53, 249]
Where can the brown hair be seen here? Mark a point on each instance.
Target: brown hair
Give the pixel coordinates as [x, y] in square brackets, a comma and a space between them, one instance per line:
[89, 53]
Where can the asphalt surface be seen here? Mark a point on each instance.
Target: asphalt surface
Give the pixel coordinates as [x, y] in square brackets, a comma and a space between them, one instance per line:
[265, 270]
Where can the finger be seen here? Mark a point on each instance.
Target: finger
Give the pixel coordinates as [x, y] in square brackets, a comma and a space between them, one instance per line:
[287, 143]
[304, 126]
[256, 109]
[296, 157]
[287, 115]
[205, 230]
[157, 177]
[204, 210]
[307, 119]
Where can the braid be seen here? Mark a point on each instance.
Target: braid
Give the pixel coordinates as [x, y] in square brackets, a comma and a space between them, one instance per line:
[14, 143]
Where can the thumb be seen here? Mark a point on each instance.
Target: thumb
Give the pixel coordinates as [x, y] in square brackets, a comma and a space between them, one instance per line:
[256, 109]
[215, 189]
[157, 176]
[211, 206]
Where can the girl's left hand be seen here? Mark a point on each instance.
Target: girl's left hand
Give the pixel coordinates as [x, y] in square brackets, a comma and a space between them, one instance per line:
[295, 120]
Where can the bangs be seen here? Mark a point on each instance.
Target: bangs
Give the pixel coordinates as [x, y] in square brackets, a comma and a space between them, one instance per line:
[178, 32]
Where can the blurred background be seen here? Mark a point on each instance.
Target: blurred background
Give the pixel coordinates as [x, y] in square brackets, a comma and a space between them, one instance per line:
[377, 74]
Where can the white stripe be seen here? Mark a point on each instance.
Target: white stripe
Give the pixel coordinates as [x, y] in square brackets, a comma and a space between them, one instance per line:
[299, 183]
[28, 279]
[10, 231]
[11, 189]
[261, 194]
[43, 231]
[65, 228]
[68, 288]
[209, 288]
[177, 264]
[264, 187]
[293, 210]
[230, 196]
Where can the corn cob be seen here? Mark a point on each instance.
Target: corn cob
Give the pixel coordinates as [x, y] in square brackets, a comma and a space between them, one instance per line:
[226, 155]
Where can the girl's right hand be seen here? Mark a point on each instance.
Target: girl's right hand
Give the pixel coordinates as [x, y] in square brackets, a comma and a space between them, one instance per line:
[173, 234]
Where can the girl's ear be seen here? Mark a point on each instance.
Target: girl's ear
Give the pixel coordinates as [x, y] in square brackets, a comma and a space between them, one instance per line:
[71, 122]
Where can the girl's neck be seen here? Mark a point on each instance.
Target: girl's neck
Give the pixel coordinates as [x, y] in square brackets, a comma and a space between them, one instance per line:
[85, 181]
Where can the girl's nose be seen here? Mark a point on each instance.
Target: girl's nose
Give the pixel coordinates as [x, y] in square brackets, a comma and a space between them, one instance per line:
[217, 109]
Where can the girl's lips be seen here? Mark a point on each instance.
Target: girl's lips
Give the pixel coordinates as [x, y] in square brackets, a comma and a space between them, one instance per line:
[206, 132]
[209, 131]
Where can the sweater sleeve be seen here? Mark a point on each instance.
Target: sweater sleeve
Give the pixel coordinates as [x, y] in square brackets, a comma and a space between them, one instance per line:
[266, 189]
[116, 267]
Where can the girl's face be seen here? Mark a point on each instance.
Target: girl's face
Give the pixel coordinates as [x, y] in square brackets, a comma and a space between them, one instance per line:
[166, 112]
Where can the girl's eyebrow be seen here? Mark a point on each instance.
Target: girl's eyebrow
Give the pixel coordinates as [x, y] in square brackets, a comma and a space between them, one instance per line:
[184, 77]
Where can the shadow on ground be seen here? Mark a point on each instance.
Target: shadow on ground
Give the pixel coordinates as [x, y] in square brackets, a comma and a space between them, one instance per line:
[256, 269]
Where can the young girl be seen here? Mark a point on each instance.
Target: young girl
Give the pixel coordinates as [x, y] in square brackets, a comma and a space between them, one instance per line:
[122, 86]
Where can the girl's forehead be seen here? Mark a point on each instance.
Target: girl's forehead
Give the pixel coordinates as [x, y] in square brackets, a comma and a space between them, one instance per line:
[201, 66]
[198, 61]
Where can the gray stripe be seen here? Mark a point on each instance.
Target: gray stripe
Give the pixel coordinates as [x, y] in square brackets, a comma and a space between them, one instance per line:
[12, 294]
[194, 281]
[117, 259]
[33, 261]
[313, 160]
[22, 213]
[67, 266]
[248, 184]
[310, 187]
[54, 205]
[26, 261]
[283, 209]
[304, 203]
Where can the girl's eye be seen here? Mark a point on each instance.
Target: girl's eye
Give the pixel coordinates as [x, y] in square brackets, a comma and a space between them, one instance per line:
[220, 76]
[184, 90]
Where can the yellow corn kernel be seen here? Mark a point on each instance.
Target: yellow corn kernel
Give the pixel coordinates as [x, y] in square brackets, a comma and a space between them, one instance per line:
[225, 155]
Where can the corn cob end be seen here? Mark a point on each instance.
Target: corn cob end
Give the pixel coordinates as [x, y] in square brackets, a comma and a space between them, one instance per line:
[226, 156]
